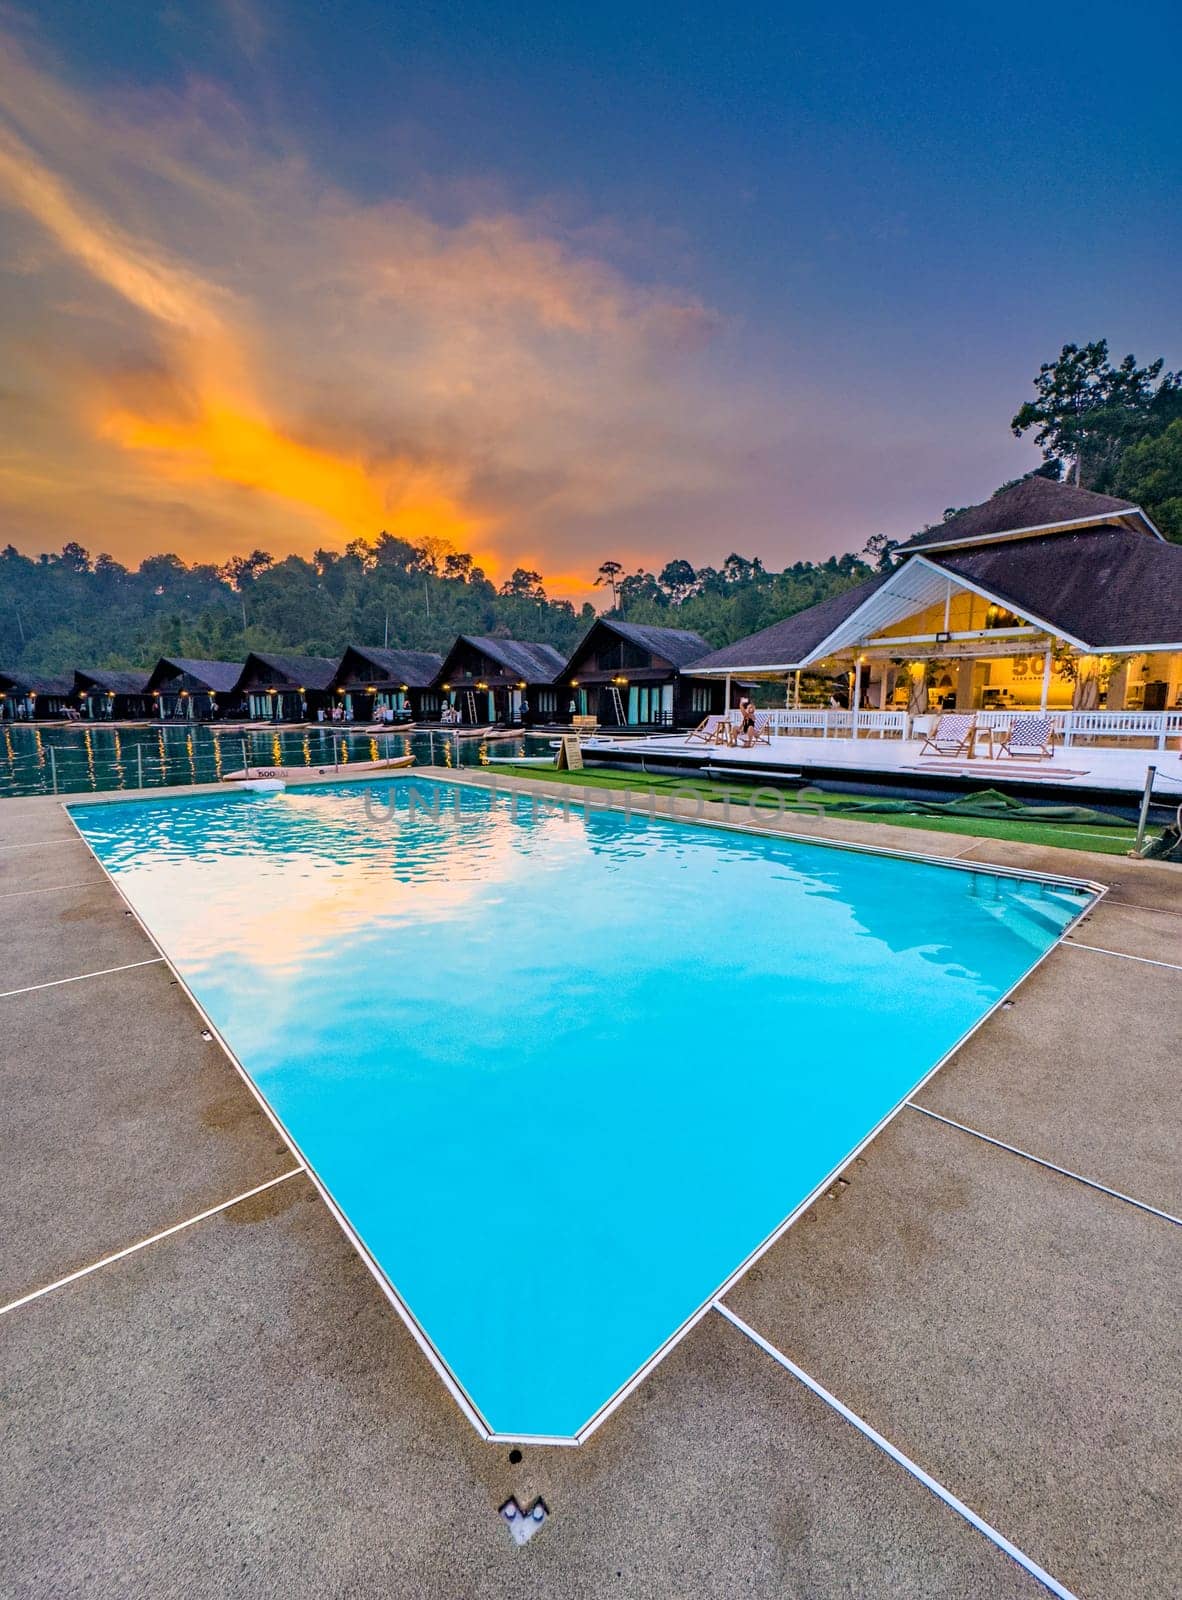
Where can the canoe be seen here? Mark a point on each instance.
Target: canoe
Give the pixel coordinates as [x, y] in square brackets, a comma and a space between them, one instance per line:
[345, 769]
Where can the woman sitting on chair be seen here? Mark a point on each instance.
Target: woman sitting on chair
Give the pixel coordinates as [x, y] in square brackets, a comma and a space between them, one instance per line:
[747, 721]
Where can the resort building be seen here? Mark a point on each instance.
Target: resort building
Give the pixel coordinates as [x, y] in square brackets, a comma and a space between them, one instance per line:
[370, 682]
[635, 677]
[184, 690]
[33, 697]
[510, 681]
[287, 688]
[105, 695]
[1045, 599]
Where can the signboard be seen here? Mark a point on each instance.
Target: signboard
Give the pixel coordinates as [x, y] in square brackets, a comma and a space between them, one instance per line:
[570, 755]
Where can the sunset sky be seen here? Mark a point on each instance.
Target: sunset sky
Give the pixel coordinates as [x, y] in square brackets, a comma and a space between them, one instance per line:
[559, 283]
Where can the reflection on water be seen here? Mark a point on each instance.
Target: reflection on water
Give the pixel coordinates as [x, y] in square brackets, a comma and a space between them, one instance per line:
[39, 758]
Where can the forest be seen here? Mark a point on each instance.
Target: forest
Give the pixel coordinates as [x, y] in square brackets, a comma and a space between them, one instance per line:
[1113, 428]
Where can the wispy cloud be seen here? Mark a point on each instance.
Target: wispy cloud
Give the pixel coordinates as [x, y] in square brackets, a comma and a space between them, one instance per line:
[208, 342]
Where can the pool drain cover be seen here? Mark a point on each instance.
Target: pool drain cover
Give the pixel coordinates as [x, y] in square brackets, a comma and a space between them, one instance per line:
[523, 1524]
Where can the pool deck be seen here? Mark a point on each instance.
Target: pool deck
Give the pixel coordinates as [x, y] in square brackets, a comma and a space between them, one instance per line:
[234, 1409]
[1084, 768]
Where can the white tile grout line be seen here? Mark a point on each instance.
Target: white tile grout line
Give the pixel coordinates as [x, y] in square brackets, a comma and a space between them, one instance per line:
[51, 888]
[37, 844]
[916, 1471]
[1122, 955]
[131, 1249]
[104, 972]
[1039, 1161]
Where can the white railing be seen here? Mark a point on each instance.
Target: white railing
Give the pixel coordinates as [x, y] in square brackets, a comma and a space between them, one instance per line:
[833, 723]
[1155, 726]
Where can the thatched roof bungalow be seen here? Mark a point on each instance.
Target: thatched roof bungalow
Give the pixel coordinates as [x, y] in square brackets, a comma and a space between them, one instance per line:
[401, 683]
[507, 681]
[34, 696]
[107, 694]
[286, 688]
[187, 690]
[634, 676]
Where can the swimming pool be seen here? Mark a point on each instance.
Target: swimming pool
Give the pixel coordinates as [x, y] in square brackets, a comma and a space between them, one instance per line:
[561, 1073]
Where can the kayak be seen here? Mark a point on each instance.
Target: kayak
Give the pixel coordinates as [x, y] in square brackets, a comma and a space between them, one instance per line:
[345, 768]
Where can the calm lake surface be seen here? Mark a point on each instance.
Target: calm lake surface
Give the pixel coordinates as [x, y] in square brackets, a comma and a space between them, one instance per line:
[37, 758]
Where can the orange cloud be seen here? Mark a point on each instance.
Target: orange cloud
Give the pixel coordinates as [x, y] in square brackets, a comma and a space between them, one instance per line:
[218, 335]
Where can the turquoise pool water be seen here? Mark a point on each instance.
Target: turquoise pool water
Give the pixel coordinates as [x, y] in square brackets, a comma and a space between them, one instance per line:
[561, 1072]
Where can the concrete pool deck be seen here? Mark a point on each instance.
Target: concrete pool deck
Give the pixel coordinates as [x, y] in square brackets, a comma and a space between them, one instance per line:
[235, 1409]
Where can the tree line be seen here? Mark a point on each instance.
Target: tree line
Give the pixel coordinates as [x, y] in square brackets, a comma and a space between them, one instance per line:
[1113, 428]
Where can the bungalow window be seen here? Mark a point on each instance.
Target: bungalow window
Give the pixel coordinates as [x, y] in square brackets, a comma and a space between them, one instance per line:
[651, 703]
[548, 702]
[429, 701]
[700, 699]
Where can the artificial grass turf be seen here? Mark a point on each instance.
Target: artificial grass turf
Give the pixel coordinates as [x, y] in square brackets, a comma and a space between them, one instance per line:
[1116, 840]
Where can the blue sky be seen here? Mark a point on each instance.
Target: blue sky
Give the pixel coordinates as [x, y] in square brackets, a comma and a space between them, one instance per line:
[806, 264]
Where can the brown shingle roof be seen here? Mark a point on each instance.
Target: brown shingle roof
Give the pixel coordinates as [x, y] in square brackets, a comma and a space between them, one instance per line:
[1029, 504]
[416, 668]
[20, 682]
[785, 643]
[307, 672]
[1108, 587]
[111, 680]
[219, 676]
[532, 663]
[677, 645]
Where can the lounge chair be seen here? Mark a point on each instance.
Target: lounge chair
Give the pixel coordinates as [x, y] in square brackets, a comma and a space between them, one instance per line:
[717, 729]
[1027, 737]
[761, 733]
[953, 734]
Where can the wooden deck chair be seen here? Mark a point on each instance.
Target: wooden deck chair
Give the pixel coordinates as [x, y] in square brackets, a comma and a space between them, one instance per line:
[715, 729]
[584, 727]
[953, 734]
[761, 733]
[1026, 737]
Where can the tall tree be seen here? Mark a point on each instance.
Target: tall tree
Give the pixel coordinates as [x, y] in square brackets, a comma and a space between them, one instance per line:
[609, 574]
[1088, 411]
[1150, 474]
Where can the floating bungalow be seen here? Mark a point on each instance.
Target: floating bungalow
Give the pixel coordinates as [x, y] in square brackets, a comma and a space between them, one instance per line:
[630, 676]
[111, 695]
[287, 688]
[34, 697]
[1046, 598]
[510, 681]
[370, 682]
[185, 690]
